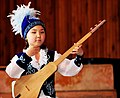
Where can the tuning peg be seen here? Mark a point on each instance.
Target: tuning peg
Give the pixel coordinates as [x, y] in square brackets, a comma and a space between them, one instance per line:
[91, 28]
[95, 25]
[100, 21]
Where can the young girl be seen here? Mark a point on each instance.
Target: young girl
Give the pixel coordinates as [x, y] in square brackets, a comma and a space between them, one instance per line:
[35, 56]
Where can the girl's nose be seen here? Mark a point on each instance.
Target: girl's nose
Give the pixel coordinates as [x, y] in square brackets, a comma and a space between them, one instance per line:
[38, 34]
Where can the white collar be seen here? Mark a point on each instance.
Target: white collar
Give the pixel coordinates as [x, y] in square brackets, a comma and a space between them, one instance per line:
[43, 58]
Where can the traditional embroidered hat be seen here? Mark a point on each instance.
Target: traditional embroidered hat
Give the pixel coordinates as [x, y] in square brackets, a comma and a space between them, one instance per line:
[24, 18]
[28, 23]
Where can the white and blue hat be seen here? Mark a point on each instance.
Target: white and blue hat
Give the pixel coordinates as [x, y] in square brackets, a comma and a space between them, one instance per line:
[24, 18]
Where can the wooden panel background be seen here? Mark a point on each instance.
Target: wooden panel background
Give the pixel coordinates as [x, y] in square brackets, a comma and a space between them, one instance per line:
[67, 21]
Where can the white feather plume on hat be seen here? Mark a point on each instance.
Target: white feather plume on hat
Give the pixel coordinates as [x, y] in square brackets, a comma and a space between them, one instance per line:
[17, 16]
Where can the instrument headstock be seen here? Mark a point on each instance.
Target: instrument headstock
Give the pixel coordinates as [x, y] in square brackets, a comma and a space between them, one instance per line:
[97, 26]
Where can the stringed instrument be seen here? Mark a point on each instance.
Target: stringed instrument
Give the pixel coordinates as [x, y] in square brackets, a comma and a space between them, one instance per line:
[29, 86]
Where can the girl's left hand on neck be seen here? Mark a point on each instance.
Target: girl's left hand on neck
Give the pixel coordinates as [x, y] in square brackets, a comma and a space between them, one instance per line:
[78, 50]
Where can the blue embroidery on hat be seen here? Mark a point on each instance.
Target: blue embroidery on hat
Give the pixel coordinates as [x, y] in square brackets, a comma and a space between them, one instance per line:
[34, 23]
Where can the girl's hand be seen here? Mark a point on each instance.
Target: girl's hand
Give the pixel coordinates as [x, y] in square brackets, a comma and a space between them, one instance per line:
[78, 50]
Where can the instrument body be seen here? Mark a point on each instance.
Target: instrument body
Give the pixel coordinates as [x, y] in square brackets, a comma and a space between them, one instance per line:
[29, 86]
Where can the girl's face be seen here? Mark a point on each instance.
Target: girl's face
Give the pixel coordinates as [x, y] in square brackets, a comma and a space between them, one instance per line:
[36, 36]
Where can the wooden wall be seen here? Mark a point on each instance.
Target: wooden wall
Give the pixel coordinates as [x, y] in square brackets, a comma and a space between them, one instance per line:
[67, 21]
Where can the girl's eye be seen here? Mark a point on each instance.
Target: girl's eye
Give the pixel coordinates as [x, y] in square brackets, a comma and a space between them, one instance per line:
[42, 32]
[33, 32]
